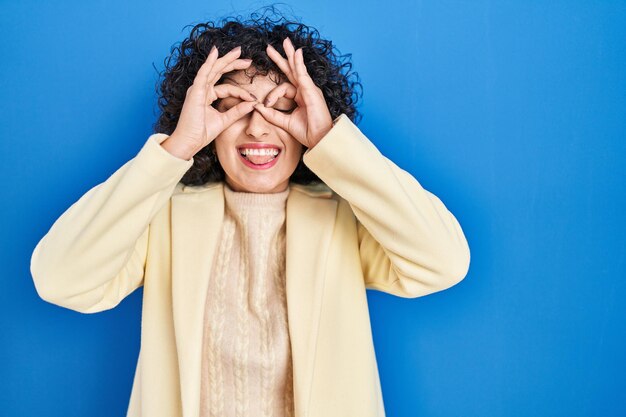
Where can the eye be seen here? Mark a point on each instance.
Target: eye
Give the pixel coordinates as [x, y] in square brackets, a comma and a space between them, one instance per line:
[287, 111]
[227, 103]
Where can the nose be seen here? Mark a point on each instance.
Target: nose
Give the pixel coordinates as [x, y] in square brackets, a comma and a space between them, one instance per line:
[258, 127]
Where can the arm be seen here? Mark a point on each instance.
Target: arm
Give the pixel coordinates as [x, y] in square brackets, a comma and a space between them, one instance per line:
[410, 244]
[93, 256]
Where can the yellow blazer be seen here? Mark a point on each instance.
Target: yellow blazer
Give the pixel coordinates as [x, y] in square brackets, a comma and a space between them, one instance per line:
[371, 225]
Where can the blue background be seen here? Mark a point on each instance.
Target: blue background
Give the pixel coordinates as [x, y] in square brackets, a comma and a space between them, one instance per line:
[512, 112]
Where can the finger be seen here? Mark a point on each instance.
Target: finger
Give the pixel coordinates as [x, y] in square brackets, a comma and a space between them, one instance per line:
[237, 64]
[281, 62]
[289, 51]
[285, 89]
[237, 112]
[230, 90]
[226, 91]
[205, 68]
[273, 116]
[220, 63]
[309, 92]
[301, 72]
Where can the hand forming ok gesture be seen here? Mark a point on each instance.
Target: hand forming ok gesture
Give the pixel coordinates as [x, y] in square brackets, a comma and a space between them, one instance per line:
[199, 122]
[311, 120]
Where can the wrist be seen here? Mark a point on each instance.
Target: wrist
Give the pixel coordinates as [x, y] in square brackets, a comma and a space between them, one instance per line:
[321, 135]
[179, 148]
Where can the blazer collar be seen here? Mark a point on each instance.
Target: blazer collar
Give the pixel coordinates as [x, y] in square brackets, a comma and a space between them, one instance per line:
[197, 215]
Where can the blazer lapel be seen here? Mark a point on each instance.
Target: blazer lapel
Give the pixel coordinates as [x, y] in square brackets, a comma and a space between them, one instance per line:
[197, 215]
[310, 221]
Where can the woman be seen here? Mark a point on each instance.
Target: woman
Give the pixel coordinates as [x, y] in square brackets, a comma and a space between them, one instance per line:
[255, 220]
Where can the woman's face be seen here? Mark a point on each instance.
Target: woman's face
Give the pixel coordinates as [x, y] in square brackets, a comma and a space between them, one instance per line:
[259, 171]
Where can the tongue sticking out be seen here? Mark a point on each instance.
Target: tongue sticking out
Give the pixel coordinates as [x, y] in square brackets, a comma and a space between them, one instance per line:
[259, 159]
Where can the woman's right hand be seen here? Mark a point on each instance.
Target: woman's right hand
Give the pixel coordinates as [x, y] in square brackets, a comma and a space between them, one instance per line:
[199, 122]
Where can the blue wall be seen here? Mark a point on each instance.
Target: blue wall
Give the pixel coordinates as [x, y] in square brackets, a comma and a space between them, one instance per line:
[512, 112]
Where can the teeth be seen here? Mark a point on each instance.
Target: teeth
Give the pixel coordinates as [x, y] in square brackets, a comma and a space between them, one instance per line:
[266, 151]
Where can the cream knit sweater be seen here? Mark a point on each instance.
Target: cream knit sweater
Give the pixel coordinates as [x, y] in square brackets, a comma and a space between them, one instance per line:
[246, 363]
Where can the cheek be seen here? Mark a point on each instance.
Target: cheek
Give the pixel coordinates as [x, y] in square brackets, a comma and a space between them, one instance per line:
[219, 148]
[225, 157]
[294, 156]
[224, 142]
[295, 148]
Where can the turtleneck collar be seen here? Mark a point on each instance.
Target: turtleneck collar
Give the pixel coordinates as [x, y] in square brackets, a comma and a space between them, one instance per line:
[239, 201]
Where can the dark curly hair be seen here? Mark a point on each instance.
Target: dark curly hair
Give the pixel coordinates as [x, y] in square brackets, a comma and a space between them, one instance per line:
[329, 70]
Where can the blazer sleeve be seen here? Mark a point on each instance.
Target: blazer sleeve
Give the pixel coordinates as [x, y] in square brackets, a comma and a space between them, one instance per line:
[410, 245]
[93, 256]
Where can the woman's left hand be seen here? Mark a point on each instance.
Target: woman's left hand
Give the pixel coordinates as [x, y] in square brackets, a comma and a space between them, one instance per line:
[311, 120]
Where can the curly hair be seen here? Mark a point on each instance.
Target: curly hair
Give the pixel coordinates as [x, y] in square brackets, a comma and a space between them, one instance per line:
[330, 71]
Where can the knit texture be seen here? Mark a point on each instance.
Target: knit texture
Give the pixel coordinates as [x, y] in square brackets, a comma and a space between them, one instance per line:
[246, 363]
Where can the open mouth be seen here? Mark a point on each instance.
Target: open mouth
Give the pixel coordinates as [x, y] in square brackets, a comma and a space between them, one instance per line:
[262, 158]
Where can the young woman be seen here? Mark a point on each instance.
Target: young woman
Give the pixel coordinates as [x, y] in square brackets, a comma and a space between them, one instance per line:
[255, 220]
